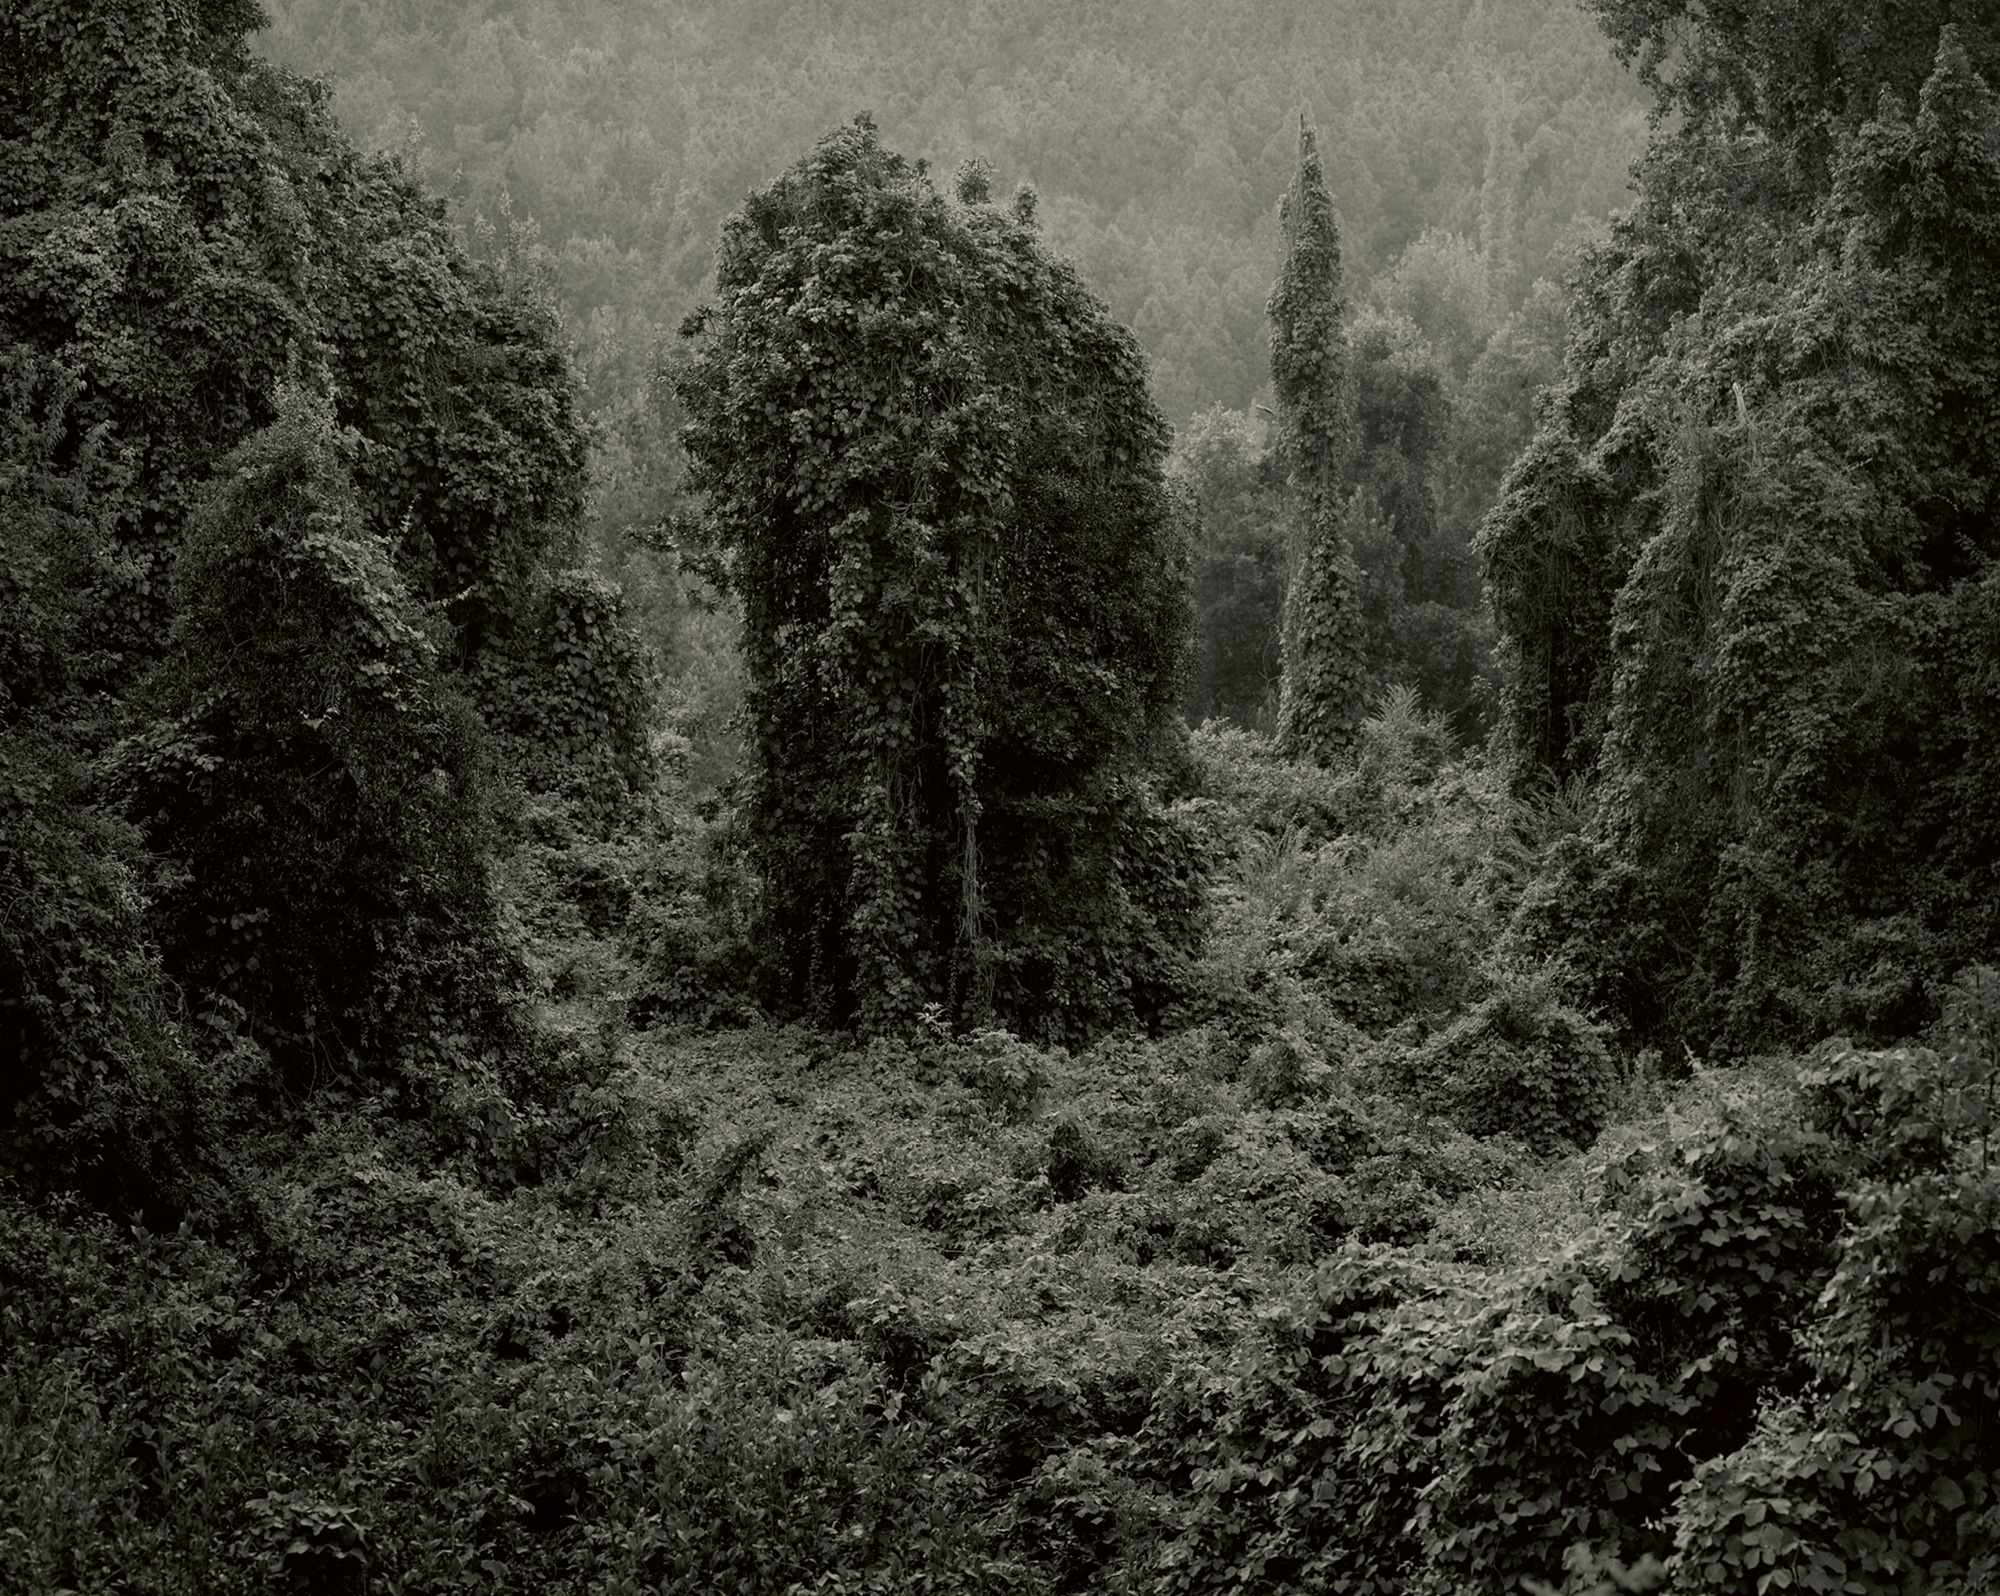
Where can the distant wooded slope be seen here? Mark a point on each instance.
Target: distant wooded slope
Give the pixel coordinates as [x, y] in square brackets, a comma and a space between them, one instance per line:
[1159, 134]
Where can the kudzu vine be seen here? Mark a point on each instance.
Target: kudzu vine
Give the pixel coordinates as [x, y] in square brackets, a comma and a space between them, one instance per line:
[1747, 571]
[1321, 694]
[932, 472]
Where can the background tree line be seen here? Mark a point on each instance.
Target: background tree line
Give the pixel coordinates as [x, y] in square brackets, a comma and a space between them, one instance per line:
[1156, 136]
[1468, 146]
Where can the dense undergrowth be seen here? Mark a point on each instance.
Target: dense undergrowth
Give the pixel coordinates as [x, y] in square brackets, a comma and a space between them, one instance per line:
[1382, 1269]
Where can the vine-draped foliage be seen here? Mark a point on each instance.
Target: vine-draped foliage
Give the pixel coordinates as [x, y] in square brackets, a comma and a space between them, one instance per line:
[1239, 568]
[933, 471]
[1748, 570]
[183, 222]
[571, 695]
[96, 1078]
[184, 233]
[1423, 624]
[1321, 696]
[321, 790]
[1770, 1364]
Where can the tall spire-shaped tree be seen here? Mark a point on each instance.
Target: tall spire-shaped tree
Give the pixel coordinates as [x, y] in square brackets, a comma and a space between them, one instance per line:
[1319, 703]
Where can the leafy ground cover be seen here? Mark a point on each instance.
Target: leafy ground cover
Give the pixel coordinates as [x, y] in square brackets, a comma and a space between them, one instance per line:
[1382, 1270]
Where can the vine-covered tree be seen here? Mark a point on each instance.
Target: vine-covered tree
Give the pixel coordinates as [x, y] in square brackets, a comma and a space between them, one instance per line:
[188, 223]
[933, 473]
[1325, 668]
[187, 232]
[318, 786]
[1747, 567]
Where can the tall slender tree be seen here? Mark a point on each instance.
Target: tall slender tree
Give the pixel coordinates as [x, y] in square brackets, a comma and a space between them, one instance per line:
[1320, 701]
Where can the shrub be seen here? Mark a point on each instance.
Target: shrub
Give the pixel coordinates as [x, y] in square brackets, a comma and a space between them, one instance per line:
[1523, 1064]
[767, 1475]
[1301, 1453]
[1078, 1160]
[1007, 1075]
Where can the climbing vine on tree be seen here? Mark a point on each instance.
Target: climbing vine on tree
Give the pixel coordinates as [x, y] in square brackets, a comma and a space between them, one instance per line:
[933, 474]
[188, 237]
[1747, 568]
[1321, 696]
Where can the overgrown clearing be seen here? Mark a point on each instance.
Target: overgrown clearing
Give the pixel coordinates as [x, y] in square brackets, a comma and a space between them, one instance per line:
[807, 1074]
[1304, 1293]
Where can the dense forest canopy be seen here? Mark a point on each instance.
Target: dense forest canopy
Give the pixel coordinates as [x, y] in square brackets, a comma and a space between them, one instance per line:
[955, 1053]
[1157, 132]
